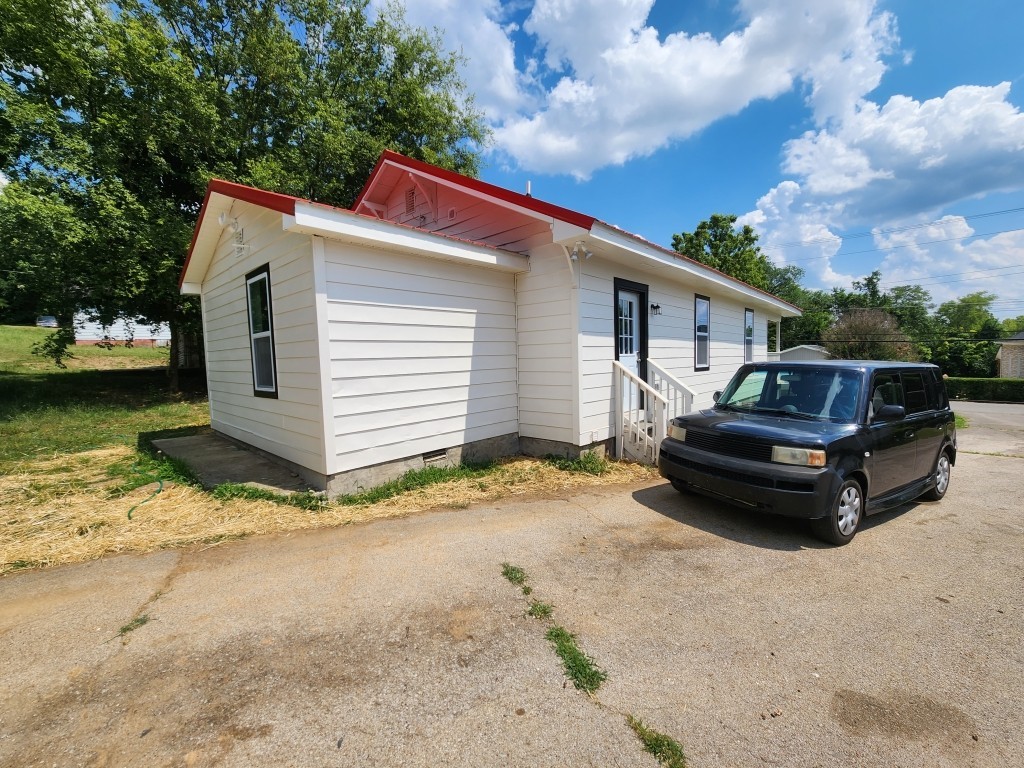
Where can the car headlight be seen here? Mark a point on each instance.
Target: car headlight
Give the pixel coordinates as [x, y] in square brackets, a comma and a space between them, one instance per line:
[802, 457]
[677, 433]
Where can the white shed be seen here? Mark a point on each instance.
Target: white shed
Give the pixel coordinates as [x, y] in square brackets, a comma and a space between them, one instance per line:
[445, 319]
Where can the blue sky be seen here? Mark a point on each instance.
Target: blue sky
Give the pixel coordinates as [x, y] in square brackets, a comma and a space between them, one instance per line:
[854, 135]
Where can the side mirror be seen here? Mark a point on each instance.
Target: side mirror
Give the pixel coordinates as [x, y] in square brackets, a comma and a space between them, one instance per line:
[890, 413]
[716, 395]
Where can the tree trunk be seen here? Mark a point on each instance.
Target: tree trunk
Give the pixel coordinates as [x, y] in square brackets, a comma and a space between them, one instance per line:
[173, 364]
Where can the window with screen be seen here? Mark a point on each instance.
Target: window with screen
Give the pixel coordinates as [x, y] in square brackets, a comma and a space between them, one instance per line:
[261, 332]
[748, 335]
[702, 333]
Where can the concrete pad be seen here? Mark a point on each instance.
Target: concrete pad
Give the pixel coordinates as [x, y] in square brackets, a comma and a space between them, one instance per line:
[216, 460]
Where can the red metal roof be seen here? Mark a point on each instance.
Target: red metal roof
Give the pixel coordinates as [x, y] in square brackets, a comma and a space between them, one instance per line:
[468, 182]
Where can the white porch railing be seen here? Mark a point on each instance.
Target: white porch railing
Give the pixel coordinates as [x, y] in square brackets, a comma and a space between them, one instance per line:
[678, 396]
[641, 428]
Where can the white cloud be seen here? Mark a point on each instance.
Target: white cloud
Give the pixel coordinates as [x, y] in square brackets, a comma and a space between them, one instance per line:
[633, 92]
[902, 161]
[480, 30]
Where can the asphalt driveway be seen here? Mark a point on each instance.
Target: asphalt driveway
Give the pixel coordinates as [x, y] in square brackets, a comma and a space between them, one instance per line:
[399, 642]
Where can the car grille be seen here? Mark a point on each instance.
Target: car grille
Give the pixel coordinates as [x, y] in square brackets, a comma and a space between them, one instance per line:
[727, 445]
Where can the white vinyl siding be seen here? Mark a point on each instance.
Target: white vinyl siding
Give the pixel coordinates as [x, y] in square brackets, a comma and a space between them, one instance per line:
[547, 347]
[423, 354]
[290, 426]
[670, 340]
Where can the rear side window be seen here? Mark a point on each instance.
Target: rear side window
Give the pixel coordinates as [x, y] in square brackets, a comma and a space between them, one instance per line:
[914, 392]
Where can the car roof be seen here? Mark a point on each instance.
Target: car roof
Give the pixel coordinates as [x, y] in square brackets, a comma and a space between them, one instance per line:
[864, 365]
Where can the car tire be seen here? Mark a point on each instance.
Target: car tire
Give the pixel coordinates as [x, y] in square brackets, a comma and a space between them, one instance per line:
[840, 525]
[680, 486]
[941, 475]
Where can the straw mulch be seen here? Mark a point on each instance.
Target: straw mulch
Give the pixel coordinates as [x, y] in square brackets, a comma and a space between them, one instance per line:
[66, 509]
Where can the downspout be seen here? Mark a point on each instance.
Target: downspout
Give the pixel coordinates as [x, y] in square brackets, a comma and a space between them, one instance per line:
[574, 329]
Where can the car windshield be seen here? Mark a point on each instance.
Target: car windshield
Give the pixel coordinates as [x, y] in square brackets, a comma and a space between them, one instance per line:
[818, 393]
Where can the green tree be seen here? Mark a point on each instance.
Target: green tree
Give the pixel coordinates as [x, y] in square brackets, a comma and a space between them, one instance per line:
[717, 243]
[868, 334]
[967, 328]
[1012, 325]
[113, 116]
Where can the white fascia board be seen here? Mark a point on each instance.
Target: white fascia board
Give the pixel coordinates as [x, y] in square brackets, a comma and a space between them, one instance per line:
[210, 230]
[351, 227]
[654, 257]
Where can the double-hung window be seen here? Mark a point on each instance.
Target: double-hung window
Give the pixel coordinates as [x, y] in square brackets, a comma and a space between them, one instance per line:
[261, 332]
[701, 333]
[748, 336]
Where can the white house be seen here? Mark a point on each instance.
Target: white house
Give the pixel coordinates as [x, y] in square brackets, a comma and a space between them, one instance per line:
[90, 331]
[446, 319]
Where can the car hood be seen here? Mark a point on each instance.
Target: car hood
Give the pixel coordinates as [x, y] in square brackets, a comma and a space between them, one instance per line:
[762, 426]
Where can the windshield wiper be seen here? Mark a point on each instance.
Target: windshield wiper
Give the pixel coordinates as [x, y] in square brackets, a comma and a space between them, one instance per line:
[784, 412]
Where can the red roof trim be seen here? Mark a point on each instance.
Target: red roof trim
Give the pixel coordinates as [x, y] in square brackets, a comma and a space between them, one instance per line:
[275, 201]
[483, 187]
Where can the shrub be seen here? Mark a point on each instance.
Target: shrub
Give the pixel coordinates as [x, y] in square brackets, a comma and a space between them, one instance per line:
[993, 390]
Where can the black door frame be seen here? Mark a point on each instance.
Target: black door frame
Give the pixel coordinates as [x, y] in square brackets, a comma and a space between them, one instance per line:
[641, 290]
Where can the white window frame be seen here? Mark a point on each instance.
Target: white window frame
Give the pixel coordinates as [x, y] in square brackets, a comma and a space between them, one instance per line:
[257, 276]
[748, 335]
[698, 336]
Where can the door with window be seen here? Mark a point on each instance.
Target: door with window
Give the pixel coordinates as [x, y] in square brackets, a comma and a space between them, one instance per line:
[631, 330]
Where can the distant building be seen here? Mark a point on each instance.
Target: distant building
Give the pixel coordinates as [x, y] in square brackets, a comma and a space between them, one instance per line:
[91, 332]
[1010, 357]
[802, 352]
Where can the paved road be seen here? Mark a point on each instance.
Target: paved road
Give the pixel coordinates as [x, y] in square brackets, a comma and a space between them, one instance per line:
[993, 427]
[399, 643]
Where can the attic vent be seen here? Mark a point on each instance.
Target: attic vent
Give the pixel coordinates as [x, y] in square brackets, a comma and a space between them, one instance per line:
[451, 214]
[410, 201]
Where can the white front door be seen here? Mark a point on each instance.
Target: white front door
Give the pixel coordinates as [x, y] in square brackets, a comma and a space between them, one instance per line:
[628, 318]
[629, 331]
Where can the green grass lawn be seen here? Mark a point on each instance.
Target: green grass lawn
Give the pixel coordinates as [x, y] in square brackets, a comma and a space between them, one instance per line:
[104, 398]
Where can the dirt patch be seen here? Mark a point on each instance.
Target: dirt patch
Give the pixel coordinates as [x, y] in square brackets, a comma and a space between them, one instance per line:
[900, 716]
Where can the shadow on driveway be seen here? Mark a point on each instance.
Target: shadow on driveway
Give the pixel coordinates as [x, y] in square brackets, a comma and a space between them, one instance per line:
[750, 527]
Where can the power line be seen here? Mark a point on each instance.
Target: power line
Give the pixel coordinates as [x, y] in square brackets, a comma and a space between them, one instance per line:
[954, 274]
[906, 245]
[891, 230]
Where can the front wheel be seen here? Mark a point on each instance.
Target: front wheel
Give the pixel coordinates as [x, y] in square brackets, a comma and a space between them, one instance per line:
[941, 475]
[841, 523]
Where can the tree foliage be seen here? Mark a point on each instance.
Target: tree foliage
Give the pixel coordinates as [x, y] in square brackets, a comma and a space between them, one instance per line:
[967, 328]
[113, 117]
[868, 334]
[717, 243]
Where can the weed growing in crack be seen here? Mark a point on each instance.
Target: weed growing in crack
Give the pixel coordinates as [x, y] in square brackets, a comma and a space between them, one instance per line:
[539, 610]
[581, 669]
[667, 750]
[517, 576]
[134, 624]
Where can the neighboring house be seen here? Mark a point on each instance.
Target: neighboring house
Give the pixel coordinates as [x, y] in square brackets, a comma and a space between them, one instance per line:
[447, 319]
[801, 352]
[88, 331]
[1010, 357]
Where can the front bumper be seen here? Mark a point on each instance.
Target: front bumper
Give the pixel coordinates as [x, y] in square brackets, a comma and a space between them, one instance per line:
[806, 492]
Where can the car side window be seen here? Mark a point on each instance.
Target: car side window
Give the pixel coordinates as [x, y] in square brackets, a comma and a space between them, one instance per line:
[914, 392]
[885, 390]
